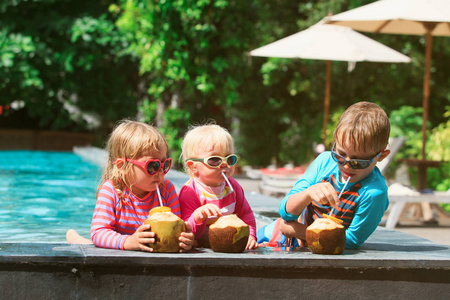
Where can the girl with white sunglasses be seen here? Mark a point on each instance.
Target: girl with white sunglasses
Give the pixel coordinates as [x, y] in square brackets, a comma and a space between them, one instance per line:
[211, 192]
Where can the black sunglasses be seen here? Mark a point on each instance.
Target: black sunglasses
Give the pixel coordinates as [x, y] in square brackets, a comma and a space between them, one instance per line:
[357, 164]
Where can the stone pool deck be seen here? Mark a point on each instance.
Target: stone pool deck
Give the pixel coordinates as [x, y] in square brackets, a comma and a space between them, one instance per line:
[390, 265]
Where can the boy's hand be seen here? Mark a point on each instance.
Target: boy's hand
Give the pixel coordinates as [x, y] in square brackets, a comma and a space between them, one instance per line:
[323, 193]
[205, 211]
[187, 238]
[140, 239]
[251, 244]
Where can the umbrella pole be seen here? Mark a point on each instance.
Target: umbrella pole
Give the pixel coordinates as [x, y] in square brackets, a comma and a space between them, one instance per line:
[326, 105]
[426, 91]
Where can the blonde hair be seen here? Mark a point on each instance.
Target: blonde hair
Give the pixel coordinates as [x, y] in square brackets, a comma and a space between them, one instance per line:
[205, 138]
[364, 126]
[132, 140]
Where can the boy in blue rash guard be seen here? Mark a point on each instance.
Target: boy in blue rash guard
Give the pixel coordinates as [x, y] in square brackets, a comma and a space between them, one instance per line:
[361, 137]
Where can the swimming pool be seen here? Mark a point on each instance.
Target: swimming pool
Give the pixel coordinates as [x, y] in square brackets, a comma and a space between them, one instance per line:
[43, 194]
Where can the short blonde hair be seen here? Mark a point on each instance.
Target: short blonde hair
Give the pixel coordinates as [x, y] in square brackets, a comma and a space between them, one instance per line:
[365, 126]
[132, 140]
[205, 138]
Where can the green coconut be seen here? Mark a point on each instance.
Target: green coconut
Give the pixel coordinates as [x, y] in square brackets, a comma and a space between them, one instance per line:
[167, 228]
[325, 236]
[229, 234]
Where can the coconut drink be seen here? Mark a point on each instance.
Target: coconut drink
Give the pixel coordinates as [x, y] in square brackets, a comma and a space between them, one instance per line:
[326, 236]
[167, 228]
[229, 234]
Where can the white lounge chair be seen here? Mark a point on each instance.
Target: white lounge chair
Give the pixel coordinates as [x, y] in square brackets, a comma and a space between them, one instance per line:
[394, 145]
[399, 202]
[400, 196]
[280, 183]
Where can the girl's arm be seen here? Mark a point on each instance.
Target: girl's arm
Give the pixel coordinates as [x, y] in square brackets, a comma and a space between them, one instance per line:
[189, 202]
[103, 232]
[242, 208]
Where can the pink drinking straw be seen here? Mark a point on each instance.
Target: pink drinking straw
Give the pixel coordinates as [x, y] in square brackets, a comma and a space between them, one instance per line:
[225, 176]
[159, 195]
[342, 191]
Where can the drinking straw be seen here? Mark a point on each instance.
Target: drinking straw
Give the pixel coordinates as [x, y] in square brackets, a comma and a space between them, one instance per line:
[345, 185]
[226, 178]
[159, 195]
[342, 191]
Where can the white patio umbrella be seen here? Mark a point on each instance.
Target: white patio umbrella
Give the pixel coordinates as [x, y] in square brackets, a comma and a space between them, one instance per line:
[414, 17]
[330, 42]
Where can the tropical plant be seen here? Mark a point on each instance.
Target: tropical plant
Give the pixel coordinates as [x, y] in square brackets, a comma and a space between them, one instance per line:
[63, 65]
[66, 64]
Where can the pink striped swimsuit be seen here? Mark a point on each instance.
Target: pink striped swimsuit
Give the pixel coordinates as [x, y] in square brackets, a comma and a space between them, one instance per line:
[112, 225]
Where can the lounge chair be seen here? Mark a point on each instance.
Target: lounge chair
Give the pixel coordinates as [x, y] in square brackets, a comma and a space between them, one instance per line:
[402, 196]
[394, 145]
[279, 181]
[399, 203]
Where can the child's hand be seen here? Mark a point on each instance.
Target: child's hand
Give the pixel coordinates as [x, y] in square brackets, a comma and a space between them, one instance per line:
[251, 244]
[187, 238]
[293, 229]
[323, 193]
[205, 211]
[140, 239]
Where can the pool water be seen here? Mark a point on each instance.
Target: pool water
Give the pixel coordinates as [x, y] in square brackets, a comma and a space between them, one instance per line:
[43, 194]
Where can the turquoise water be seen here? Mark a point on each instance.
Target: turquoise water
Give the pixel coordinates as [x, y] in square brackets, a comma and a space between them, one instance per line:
[43, 194]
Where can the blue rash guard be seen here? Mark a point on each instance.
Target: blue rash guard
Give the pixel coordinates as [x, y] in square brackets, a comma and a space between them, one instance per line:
[363, 203]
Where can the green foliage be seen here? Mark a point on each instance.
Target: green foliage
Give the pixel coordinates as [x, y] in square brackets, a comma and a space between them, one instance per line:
[439, 146]
[66, 62]
[173, 129]
[195, 51]
[407, 122]
[186, 62]
[332, 123]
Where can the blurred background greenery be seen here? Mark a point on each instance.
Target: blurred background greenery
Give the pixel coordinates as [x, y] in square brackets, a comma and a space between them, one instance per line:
[82, 65]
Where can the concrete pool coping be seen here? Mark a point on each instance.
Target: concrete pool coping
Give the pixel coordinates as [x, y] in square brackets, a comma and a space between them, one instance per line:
[390, 265]
[400, 249]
